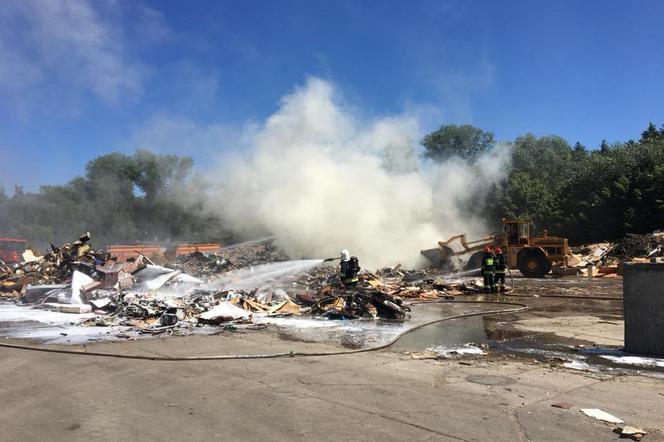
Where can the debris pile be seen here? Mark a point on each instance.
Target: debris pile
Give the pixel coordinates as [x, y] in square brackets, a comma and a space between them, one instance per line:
[206, 265]
[415, 285]
[363, 303]
[636, 246]
[155, 313]
[233, 285]
[251, 253]
[423, 284]
[630, 248]
[202, 264]
[55, 267]
[604, 259]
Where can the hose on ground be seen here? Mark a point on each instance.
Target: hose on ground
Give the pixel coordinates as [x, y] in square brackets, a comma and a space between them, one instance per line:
[516, 307]
[511, 280]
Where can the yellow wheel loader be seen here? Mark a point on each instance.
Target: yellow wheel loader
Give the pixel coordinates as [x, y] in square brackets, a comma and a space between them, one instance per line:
[533, 256]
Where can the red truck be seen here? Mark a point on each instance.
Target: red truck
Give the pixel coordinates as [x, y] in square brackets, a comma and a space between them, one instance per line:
[11, 250]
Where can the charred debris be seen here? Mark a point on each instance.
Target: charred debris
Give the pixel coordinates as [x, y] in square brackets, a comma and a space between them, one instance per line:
[195, 289]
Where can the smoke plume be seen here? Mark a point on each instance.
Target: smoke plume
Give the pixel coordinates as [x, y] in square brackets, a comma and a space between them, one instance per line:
[321, 178]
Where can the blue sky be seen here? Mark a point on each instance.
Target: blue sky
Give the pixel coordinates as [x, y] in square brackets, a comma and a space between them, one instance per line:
[79, 79]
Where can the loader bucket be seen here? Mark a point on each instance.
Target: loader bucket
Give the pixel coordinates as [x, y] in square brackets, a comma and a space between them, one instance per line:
[436, 256]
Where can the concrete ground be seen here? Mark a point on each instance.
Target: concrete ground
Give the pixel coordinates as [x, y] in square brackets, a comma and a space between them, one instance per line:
[585, 328]
[382, 395]
[368, 396]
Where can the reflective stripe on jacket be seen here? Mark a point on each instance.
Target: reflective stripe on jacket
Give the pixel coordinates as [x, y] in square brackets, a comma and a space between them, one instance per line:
[488, 262]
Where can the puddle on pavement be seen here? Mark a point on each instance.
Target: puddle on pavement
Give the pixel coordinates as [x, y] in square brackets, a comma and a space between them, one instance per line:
[450, 334]
[351, 334]
[476, 330]
[494, 333]
[368, 333]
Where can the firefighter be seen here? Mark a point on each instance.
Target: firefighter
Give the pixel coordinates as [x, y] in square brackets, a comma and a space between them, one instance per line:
[488, 268]
[350, 267]
[500, 268]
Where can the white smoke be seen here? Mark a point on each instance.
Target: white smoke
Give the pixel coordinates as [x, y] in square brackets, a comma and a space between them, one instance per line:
[321, 179]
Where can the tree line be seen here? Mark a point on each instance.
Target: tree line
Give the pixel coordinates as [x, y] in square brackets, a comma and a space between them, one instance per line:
[120, 199]
[586, 195]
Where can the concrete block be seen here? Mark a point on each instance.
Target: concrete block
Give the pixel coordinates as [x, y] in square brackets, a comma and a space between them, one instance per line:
[643, 300]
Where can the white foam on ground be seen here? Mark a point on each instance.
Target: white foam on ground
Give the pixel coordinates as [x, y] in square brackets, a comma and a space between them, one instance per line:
[15, 313]
[51, 327]
[66, 334]
[360, 333]
[577, 364]
[225, 311]
[295, 322]
[635, 360]
[463, 350]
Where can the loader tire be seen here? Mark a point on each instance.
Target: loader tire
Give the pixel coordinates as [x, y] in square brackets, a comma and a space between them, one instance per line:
[533, 263]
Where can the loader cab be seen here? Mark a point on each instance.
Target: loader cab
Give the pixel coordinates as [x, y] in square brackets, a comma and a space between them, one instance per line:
[516, 236]
[517, 233]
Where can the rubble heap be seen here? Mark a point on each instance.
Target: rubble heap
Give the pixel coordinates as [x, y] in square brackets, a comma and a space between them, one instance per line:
[253, 253]
[55, 267]
[198, 290]
[636, 246]
[353, 304]
[608, 256]
[250, 253]
[201, 264]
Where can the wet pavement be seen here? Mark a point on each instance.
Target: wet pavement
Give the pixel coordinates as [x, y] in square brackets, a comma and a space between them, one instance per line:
[505, 394]
[354, 334]
[493, 336]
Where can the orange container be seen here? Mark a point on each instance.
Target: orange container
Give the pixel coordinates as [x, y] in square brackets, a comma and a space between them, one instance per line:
[184, 249]
[124, 252]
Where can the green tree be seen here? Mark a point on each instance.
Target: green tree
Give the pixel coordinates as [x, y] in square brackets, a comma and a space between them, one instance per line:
[617, 192]
[527, 197]
[580, 153]
[549, 157]
[121, 198]
[651, 133]
[464, 141]
[541, 166]
[156, 173]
